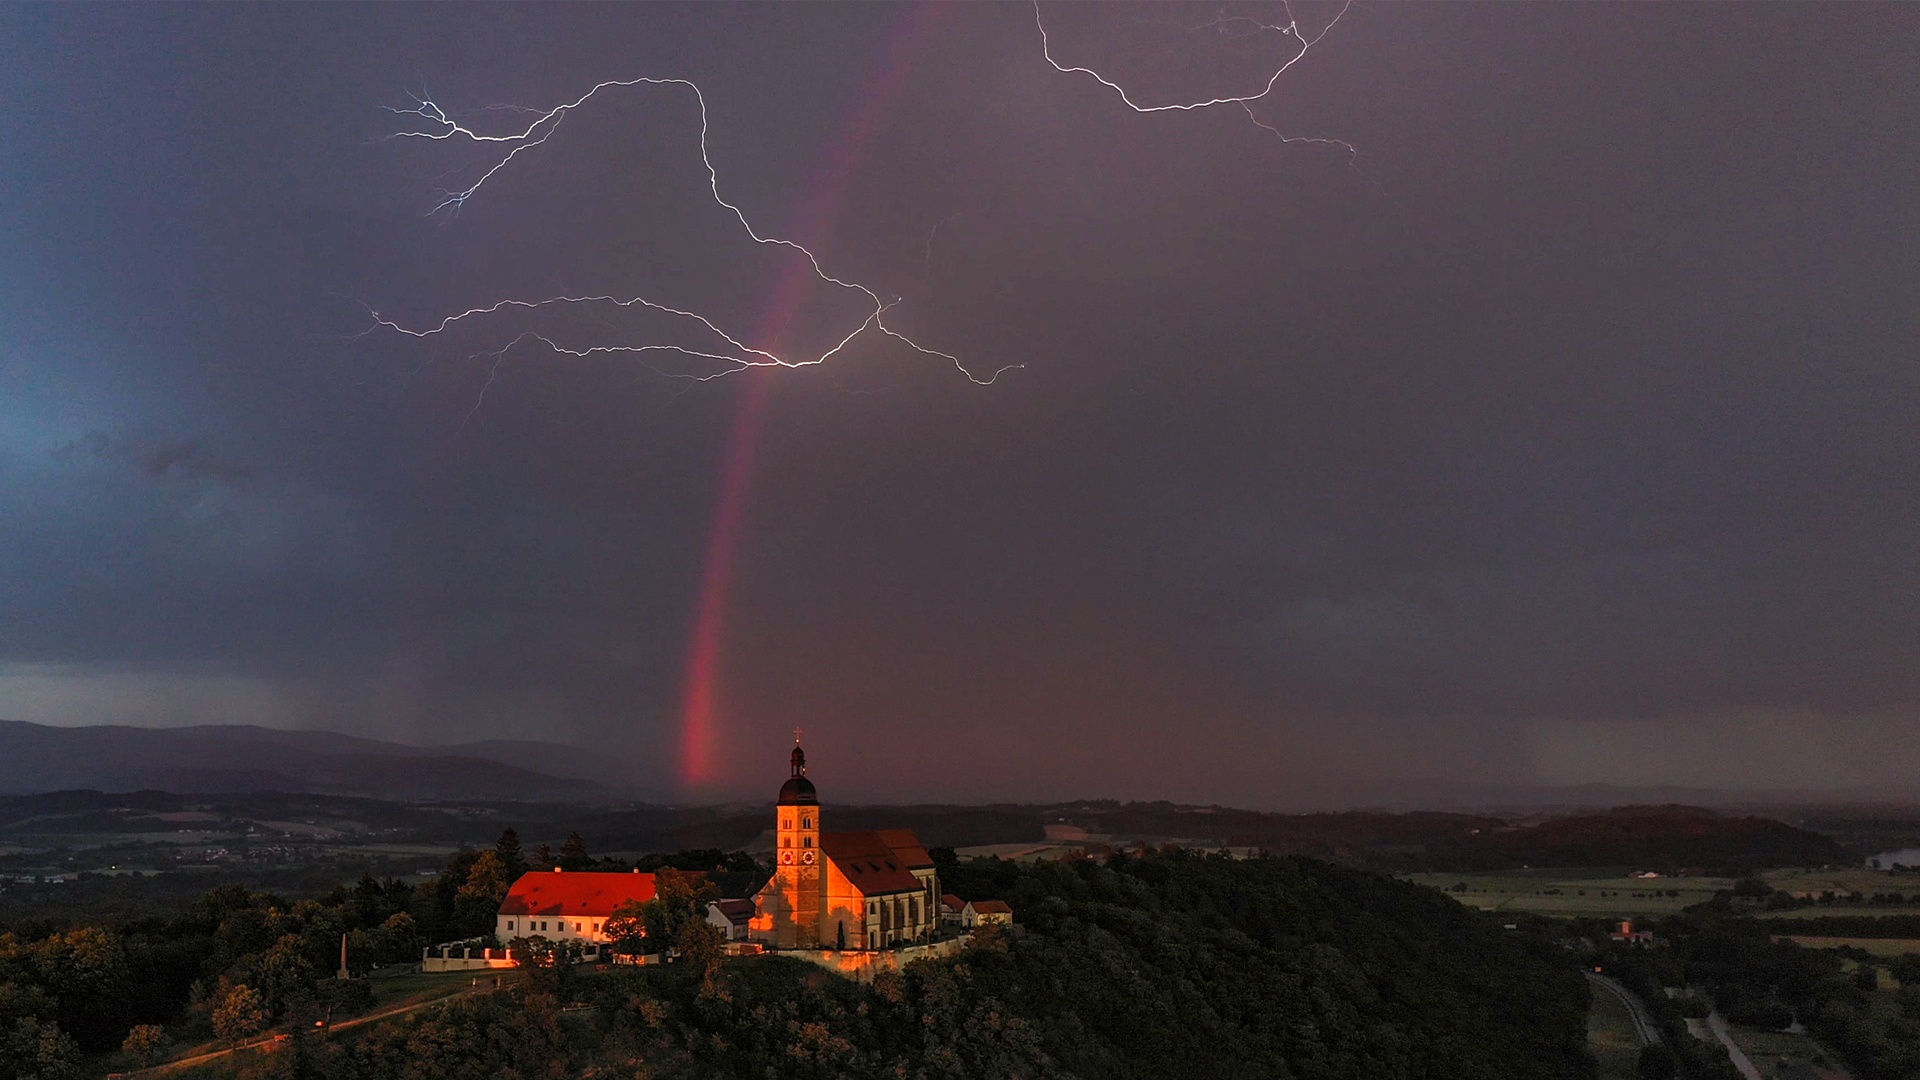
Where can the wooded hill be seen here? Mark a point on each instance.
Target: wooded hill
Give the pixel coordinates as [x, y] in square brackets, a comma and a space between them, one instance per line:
[1651, 837]
[1156, 968]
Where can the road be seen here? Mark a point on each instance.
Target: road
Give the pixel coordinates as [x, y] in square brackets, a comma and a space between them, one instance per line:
[1643, 1025]
[1718, 1025]
[401, 1010]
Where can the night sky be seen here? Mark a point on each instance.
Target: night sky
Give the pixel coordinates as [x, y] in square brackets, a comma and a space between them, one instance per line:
[1563, 431]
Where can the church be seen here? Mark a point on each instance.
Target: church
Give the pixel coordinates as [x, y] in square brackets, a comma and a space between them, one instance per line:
[841, 890]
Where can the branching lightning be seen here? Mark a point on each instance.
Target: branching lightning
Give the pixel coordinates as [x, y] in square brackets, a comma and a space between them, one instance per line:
[1288, 29]
[729, 352]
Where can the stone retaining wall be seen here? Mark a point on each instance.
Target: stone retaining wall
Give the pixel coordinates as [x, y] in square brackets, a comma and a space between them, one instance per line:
[862, 964]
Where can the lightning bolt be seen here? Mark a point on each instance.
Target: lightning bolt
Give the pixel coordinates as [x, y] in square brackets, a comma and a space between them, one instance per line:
[1288, 29]
[729, 352]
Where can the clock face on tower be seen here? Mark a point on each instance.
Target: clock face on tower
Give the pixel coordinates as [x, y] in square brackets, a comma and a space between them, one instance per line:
[786, 858]
[807, 857]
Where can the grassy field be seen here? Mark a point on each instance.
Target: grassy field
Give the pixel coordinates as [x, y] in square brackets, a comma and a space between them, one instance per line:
[1876, 946]
[1771, 1050]
[1802, 882]
[1572, 893]
[1016, 852]
[409, 989]
[1610, 1035]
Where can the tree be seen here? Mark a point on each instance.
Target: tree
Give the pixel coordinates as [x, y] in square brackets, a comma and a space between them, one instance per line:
[1906, 969]
[145, 1043]
[1657, 1063]
[549, 965]
[282, 973]
[508, 848]
[365, 904]
[397, 940]
[677, 899]
[573, 854]
[487, 879]
[626, 925]
[242, 1011]
[478, 899]
[945, 861]
[699, 942]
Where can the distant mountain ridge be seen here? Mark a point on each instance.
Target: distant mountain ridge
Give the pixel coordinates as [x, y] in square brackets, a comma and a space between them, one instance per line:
[218, 758]
[1510, 799]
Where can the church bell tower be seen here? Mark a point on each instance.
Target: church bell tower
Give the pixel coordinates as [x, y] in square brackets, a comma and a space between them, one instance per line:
[797, 826]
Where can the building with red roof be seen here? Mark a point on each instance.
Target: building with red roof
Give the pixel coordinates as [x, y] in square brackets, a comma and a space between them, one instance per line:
[842, 890]
[952, 909]
[733, 918]
[563, 906]
[991, 912]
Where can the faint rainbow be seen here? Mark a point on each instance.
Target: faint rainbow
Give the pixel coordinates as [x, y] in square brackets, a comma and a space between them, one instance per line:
[700, 710]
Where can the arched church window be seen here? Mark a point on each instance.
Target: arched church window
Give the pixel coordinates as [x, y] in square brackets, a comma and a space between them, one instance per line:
[806, 841]
[806, 823]
[786, 841]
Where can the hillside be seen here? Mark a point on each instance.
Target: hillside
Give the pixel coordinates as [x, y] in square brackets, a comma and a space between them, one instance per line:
[1655, 837]
[1660, 837]
[229, 758]
[1158, 968]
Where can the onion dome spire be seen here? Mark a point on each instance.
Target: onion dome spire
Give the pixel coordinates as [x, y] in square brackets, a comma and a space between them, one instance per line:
[798, 790]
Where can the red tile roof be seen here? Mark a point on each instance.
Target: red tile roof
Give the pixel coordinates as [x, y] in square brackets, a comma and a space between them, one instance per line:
[952, 903]
[991, 907]
[557, 893]
[737, 912]
[906, 847]
[869, 862]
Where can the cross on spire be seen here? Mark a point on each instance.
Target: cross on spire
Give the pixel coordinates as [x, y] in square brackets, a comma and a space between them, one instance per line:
[796, 736]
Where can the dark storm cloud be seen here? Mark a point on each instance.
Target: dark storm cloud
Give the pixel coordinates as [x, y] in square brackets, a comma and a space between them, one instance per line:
[189, 459]
[1574, 413]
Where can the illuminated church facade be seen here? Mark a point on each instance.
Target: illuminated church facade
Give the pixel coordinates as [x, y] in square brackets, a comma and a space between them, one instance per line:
[841, 890]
